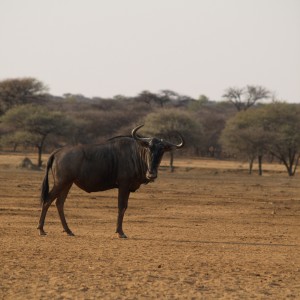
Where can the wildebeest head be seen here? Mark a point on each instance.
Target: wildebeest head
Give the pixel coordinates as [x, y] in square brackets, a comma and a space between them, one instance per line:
[155, 148]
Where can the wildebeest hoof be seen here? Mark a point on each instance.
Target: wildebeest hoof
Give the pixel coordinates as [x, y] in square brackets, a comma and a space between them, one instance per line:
[69, 233]
[41, 231]
[122, 235]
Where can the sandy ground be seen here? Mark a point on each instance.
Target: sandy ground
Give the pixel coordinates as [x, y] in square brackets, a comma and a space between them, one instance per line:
[207, 231]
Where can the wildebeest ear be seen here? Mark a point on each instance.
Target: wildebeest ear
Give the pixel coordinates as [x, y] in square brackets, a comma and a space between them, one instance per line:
[175, 146]
[168, 147]
[143, 143]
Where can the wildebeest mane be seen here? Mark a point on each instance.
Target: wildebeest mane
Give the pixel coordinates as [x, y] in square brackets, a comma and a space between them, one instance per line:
[122, 136]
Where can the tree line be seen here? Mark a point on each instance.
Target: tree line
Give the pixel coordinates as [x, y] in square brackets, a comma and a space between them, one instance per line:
[240, 126]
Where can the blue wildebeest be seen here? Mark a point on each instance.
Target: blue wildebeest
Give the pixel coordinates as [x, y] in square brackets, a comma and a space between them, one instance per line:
[123, 162]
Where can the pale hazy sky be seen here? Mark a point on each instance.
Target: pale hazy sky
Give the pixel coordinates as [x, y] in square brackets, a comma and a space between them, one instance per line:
[110, 47]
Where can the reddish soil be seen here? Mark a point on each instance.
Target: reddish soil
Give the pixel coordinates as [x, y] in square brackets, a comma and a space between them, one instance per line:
[209, 230]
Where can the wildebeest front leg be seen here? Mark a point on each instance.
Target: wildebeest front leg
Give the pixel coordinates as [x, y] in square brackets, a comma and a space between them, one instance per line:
[122, 206]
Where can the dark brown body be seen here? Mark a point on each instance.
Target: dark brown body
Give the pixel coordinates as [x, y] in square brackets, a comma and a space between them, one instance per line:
[124, 163]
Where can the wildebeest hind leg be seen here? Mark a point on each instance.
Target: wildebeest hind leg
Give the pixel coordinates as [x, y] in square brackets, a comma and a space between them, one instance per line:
[60, 208]
[45, 206]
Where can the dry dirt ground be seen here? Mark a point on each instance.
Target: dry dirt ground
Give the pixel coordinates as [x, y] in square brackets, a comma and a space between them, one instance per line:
[206, 231]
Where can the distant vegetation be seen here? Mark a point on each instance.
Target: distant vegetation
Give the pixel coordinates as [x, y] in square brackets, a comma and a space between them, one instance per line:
[241, 126]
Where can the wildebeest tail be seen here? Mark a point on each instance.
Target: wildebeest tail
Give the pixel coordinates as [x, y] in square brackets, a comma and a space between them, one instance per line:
[45, 184]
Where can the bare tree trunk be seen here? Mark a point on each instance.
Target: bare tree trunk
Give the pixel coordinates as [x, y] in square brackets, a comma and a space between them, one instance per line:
[260, 165]
[40, 151]
[296, 164]
[39, 156]
[171, 161]
[290, 163]
[15, 147]
[251, 159]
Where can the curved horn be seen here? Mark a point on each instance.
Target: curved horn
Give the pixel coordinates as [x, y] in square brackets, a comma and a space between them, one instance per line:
[136, 137]
[180, 145]
[133, 132]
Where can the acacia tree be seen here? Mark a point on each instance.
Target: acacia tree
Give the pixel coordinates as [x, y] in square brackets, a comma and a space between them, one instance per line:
[20, 91]
[281, 122]
[244, 98]
[168, 123]
[244, 135]
[32, 124]
[148, 97]
[274, 128]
